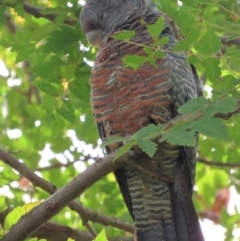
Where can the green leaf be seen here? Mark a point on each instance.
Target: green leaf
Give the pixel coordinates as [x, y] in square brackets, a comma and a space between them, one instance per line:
[19, 9]
[162, 41]
[69, 239]
[213, 127]
[69, 105]
[147, 146]
[80, 90]
[192, 36]
[35, 111]
[209, 44]
[192, 3]
[178, 136]
[47, 70]
[24, 51]
[190, 39]
[212, 69]
[101, 237]
[148, 51]
[159, 54]
[48, 103]
[156, 28]
[124, 149]
[127, 35]
[2, 203]
[225, 105]
[47, 88]
[61, 40]
[193, 105]
[149, 131]
[17, 213]
[134, 61]
[67, 114]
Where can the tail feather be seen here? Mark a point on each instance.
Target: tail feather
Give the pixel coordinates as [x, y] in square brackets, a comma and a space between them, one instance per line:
[162, 232]
[186, 226]
[185, 215]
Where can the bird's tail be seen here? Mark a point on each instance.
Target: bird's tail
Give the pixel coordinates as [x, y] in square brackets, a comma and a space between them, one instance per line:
[186, 225]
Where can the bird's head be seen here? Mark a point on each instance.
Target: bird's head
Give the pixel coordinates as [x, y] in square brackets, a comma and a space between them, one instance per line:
[98, 18]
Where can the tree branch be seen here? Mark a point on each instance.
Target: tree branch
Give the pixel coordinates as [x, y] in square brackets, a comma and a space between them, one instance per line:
[62, 197]
[216, 163]
[230, 42]
[84, 213]
[59, 164]
[56, 232]
[56, 165]
[52, 231]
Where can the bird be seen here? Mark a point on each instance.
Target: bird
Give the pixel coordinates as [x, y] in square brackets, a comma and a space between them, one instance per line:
[125, 99]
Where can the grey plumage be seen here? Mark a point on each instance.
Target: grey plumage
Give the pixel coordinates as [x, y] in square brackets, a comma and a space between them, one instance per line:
[125, 100]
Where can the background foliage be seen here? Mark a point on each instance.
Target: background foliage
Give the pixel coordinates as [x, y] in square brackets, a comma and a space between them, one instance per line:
[45, 104]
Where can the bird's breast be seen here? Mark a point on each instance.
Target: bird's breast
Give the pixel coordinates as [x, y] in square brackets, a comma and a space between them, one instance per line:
[125, 100]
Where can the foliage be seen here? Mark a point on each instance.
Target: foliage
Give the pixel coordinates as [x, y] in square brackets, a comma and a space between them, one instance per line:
[45, 104]
[17, 213]
[101, 236]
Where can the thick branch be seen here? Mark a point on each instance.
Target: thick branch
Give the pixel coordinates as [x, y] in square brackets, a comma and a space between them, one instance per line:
[217, 164]
[52, 231]
[56, 232]
[84, 213]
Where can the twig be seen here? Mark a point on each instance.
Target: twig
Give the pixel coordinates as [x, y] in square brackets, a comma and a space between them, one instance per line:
[209, 215]
[9, 23]
[216, 163]
[91, 230]
[56, 165]
[69, 163]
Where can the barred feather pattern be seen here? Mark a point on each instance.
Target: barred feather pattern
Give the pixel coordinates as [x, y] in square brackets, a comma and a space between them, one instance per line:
[125, 100]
